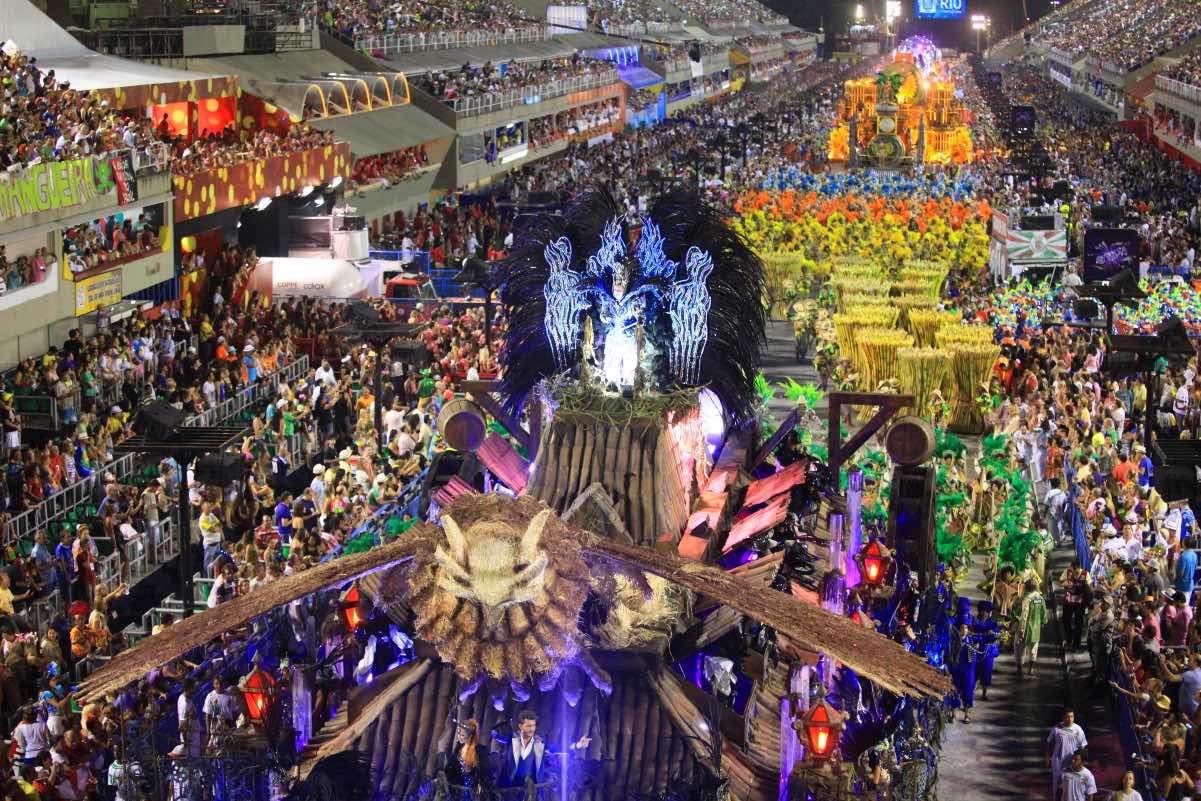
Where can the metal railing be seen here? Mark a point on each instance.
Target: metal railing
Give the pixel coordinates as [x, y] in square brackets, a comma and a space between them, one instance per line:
[390, 44]
[1062, 56]
[528, 95]
[73, 496]
[154, 157]
[70, 497]
[411, 259]
[1186, 91]
[640, 28]
[262, 389]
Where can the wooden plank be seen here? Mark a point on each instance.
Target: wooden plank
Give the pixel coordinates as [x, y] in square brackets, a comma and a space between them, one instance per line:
[888, 405]
[770, 486]
[505, 463]
[789, 423]
[481, 393]
[759, 521]
[344, 740]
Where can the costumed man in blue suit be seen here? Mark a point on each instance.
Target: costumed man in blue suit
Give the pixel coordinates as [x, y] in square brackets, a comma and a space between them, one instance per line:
[961, 659]
[522, 761]
[987, 632]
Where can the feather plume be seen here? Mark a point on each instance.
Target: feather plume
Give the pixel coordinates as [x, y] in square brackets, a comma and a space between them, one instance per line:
[736, 286]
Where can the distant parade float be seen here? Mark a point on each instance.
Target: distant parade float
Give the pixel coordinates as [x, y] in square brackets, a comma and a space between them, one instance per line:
[907, 114]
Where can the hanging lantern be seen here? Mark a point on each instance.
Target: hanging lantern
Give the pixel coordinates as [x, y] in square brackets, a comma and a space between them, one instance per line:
[873, 562]
[350, 608]
[258, 691]
[822, 726]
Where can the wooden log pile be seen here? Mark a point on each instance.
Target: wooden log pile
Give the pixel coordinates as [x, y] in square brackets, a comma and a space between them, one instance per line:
[637, 463]
[640, 734]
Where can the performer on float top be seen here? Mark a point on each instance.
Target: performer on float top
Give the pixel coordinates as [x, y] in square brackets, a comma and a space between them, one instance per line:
[466, 765]
[523, 758]
[987, 632]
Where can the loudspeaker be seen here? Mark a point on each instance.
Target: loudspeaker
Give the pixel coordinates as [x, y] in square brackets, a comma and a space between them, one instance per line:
[361, 313]
[911, 521]
[1177, 482]
[221, 469]
[159, 420]
[1086, 309]
[1038, 222]
[447, 465]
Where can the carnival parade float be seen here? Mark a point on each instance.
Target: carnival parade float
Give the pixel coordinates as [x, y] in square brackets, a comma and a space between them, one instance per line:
[907, 114]
[642, 576]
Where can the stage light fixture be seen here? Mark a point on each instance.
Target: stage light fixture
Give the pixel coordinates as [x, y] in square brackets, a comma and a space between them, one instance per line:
[263, 203]
[308, 190]
[334, 184]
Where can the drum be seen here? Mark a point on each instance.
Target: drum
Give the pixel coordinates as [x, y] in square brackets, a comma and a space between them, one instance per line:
[910, 441]
[461, 423]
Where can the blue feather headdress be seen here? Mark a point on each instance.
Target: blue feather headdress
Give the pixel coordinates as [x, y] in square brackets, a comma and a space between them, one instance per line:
[683, 302]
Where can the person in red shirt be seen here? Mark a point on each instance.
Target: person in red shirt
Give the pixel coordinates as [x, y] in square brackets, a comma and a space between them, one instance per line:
[1054, 466]
[1125, 470]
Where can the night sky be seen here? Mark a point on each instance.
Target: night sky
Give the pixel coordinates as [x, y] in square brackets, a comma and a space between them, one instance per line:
[1006, 16]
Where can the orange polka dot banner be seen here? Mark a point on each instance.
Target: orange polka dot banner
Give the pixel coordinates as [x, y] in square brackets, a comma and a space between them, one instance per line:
[146, 95]
[248, 182]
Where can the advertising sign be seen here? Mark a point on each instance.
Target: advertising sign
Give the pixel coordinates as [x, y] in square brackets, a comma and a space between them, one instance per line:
[940, 9]
[1036, 245]
[51, 185]
[99, 290]
[1110, 250]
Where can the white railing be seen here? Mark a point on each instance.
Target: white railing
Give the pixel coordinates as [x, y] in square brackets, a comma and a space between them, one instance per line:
[155, 157]
[1181, 89]
[390, 44]
[527, 95]
[24, 525]
[262, 389]
[640, 28]
[1062, 56]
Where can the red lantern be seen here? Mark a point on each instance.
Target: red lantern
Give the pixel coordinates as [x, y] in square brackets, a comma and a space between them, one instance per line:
[350, 608]
[823, 726]
[873, 563]
[258, 690]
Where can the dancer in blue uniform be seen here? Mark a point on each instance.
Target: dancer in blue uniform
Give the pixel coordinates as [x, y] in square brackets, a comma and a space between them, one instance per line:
[987, 632]
[961, 658]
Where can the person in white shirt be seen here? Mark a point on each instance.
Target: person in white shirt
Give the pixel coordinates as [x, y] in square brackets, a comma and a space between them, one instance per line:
[191, 733]
[1180, 404]
[1065, 739]
[221, 706]
[1077, 782]
[317, 485]
[32, 738]
[394, 419]
[325, 374]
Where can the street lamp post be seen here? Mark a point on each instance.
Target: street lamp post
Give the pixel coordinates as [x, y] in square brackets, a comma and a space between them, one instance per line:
[981, 23]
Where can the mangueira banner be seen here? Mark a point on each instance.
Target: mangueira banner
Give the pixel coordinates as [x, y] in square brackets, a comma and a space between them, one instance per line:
[52, 185]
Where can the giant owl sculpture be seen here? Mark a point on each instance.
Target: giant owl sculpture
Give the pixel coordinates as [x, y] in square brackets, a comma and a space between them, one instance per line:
[500, 593]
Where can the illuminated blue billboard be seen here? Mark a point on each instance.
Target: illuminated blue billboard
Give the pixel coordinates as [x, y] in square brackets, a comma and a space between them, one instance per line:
[940, 9]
